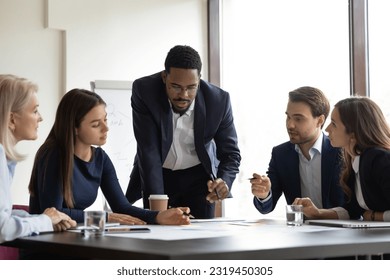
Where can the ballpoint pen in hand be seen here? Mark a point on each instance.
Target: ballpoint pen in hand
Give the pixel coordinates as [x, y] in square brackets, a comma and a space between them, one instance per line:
[215, 190]
[188, 215]
[261, 177]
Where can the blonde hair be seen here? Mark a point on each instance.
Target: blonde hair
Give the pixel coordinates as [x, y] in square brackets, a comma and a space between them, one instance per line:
[15, 93]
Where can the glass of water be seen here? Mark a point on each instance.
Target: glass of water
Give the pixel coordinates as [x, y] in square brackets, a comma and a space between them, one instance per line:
[294, 215]
[94, 223]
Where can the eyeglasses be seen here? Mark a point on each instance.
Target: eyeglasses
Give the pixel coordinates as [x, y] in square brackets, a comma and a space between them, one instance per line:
[179, 89]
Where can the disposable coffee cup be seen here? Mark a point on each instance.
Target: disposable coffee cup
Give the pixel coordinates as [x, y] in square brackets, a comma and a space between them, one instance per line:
[294, 215]
[158, 202]
[94, 223]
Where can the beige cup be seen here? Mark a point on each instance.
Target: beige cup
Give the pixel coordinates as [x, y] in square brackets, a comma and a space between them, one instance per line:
[158, 202]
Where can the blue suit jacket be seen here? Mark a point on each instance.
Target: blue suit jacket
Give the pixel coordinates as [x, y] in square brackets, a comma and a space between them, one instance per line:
[214, 133]
[283, 172]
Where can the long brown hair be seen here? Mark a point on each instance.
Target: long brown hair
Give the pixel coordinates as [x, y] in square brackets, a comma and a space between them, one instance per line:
[364, 118]
[74, 105]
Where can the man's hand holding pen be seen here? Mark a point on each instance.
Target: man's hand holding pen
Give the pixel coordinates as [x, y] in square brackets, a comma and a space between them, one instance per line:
[261, 185]
[218, 190]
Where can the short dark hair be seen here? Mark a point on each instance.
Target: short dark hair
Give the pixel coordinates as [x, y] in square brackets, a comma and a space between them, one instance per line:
[315, 98]
[183, 57]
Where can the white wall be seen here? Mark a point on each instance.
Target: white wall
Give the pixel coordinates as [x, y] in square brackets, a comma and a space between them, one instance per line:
[122, 39]
[61, 45]
[29, 50]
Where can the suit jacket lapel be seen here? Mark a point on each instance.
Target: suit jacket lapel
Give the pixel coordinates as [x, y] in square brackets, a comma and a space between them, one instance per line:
[327, 163]
[295, 175]
[199, 130]
[166, 126]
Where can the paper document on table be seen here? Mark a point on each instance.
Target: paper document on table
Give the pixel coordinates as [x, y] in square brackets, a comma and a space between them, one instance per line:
[193, 231]
[219, 227]
[216, 220]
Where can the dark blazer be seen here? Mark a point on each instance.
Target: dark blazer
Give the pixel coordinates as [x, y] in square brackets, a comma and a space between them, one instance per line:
[374, 173]
[283, 171]
[214, 133]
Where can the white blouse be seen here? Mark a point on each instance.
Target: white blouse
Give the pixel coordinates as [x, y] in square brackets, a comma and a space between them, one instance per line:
[16, 223]
[341, 212]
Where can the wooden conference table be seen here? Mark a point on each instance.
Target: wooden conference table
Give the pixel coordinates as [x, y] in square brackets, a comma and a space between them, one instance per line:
[231, 239]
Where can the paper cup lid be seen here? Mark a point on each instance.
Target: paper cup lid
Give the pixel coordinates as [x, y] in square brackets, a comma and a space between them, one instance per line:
[158, 196]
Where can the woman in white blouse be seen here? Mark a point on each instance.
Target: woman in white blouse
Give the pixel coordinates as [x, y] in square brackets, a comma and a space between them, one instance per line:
[19, 119]
[360, 128]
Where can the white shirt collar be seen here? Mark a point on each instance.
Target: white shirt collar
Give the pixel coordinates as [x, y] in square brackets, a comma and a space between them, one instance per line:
[188, 112]
[318, 144]
[317, 147]
[355, 164]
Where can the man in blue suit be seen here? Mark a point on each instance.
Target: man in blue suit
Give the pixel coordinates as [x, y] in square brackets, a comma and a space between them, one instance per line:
[307, 165]
[186, 140]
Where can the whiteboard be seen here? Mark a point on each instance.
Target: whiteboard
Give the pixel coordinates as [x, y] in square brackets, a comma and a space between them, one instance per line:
[121, 145]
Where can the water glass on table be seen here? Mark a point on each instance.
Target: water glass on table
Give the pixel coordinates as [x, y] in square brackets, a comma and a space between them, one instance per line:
[94, 223]
[294, 215]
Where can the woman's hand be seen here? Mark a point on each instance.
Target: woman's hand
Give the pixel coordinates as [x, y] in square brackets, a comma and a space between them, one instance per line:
[124, 219]
[174, 216]
[370, 215]
[60, 220]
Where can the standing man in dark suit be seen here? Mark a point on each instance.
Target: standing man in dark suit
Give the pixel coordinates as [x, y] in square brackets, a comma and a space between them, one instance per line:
[186, 140]
[307, 165]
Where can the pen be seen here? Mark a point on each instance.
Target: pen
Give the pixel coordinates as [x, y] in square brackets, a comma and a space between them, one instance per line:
[215, 190]
[261, 177]
[188, 214]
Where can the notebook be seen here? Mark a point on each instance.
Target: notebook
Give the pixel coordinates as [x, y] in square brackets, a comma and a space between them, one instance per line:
[348, 223]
